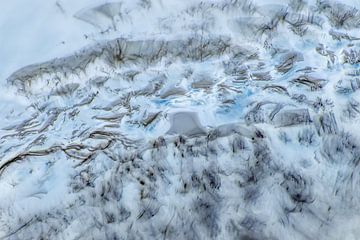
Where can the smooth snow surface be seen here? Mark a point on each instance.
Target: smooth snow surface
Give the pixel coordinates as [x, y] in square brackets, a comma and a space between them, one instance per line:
[180, 119]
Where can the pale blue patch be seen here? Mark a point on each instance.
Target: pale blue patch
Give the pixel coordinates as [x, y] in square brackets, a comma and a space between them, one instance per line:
[161, 102]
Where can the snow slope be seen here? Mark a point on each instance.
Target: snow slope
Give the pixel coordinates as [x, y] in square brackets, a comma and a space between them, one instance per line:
[155, 119]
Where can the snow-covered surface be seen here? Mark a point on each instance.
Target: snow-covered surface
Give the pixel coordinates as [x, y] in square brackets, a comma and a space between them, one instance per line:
[179, 119]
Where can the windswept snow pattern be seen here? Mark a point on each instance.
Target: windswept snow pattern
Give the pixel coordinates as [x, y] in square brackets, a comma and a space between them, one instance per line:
[180, 119]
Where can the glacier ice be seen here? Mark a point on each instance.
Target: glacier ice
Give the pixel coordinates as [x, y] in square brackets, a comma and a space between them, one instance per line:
[151, 119]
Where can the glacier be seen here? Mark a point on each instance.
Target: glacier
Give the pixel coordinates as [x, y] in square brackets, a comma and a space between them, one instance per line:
[154, 119]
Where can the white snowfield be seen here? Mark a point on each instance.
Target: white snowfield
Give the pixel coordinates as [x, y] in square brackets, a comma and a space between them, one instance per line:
[180, 119]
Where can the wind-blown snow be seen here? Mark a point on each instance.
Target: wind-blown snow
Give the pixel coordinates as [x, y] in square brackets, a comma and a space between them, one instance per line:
[154, 119]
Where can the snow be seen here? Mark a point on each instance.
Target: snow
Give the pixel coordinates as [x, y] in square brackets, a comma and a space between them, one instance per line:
[178, 119]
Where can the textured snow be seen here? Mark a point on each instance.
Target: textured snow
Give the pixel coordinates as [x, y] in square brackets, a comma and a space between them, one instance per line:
[153, 119]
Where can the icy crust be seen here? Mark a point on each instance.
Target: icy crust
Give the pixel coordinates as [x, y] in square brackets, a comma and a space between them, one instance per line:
[241, 125]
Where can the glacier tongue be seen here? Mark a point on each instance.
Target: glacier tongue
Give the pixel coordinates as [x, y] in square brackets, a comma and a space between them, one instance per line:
[153, 119]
